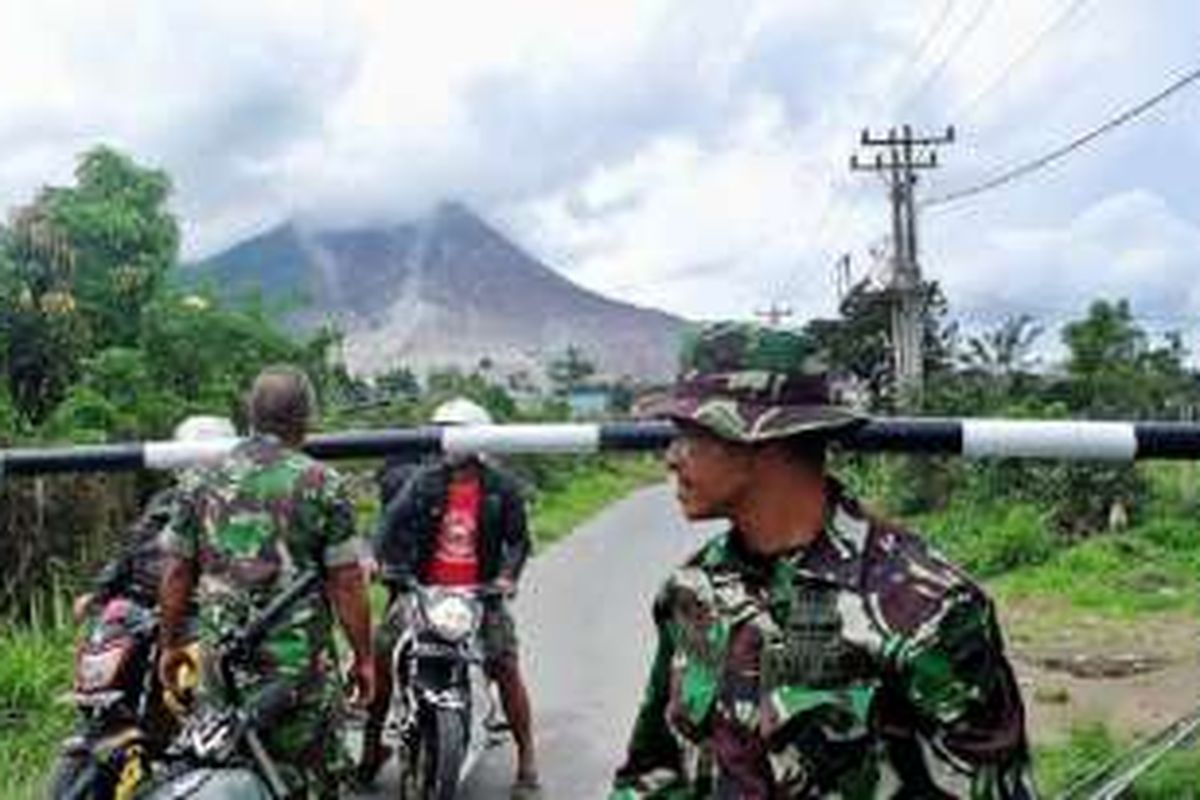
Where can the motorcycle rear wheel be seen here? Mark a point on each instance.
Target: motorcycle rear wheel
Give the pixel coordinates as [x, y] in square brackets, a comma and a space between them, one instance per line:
[430, 768]
[73, 776]
[77, 776]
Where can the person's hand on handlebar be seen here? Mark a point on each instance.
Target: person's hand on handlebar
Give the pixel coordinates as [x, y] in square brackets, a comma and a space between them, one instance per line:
[505, 586]
[362, 679]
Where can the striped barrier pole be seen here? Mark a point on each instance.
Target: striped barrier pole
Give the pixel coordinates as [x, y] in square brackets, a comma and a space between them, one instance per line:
[969, 438]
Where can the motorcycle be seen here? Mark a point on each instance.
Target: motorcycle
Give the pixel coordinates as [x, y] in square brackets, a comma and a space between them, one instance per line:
[444, 712]
[123, 721]
[219, 752]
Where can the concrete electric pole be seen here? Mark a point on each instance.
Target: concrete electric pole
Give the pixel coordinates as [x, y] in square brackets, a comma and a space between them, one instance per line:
[898, 157]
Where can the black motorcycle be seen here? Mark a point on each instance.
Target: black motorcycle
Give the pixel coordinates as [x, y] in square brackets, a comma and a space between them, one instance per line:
[444, 712]
[123, 722]
[219, 755]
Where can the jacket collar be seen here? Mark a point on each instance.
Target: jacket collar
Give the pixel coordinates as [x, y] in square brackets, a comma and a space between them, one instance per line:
[835, 556]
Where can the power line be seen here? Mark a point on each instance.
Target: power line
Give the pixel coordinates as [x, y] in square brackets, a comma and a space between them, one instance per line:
[963, 36]
[1010, 175]
[827, 217]
[930, 34]
[1032, 47]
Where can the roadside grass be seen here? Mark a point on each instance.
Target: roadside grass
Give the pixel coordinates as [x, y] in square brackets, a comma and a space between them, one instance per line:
[35, 668]
[1149, 569]
[1090, 747]
[556, 512]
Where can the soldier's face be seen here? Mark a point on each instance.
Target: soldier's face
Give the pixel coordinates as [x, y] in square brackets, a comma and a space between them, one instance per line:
[711, 474]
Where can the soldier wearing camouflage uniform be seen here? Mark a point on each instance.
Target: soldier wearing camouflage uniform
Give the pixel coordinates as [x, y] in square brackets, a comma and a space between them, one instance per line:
[813, 650]
[242, 532]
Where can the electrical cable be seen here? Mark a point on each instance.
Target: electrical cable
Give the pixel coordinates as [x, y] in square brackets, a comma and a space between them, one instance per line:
[1019, 171]
[964, 35]
[962, 111]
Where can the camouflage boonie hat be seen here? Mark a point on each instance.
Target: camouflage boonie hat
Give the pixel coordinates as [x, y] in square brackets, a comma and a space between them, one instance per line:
[751, 383]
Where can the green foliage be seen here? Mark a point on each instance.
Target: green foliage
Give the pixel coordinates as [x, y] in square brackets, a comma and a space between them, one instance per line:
[1089, 747]
[992, 539]
[857, 342]
[122, 237]
[1114, 369]
[398, 384]
[35, 668]
[44, 338]
[570, 369]
[561, 505]
[84, 416]
[10, 423]
[1147, 569]
[207, 355]
[444, 384]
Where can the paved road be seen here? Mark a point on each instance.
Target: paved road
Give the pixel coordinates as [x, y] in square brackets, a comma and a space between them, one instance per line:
[584, 621]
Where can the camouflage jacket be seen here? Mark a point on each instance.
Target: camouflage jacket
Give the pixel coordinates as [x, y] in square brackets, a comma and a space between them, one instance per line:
[251, 525]
[863, 665]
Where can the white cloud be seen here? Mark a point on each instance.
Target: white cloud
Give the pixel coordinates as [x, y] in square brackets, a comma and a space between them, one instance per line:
[689, 154]
[1130, 245]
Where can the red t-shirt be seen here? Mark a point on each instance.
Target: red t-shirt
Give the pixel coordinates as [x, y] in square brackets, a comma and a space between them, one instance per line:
[455, 559]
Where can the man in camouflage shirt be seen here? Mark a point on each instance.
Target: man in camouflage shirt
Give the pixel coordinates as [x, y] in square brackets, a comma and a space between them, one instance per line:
[812, 651]
[242, 532]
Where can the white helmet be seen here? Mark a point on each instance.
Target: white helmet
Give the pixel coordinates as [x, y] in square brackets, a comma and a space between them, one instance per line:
[460, 411]
[203, 427]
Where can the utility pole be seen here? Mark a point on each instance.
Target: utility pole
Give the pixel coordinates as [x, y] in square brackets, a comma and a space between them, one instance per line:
[898, 157]
[774, 315]
[841, 276]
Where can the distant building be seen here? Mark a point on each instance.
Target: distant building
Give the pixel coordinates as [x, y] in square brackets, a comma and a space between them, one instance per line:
[590, 402]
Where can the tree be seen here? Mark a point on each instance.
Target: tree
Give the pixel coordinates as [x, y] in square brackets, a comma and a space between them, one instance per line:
[444, 384]
[1006, 350]
[569, 370]
[858, 342]
[399, 383]
[43, 334]
[997, 374]
[1116, 371]
[123, 239]
[207, 354]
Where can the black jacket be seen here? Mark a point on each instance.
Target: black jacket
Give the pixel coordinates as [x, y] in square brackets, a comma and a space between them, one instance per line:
[136, 571]
[409, 527]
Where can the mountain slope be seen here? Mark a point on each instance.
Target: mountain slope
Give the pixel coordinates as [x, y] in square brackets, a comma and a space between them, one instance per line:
[448, 289]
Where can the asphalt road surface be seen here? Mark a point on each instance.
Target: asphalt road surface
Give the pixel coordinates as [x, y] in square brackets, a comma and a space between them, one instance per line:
[583, 616]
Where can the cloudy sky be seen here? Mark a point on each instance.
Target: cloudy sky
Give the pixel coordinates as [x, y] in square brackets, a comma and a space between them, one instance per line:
[689, 155]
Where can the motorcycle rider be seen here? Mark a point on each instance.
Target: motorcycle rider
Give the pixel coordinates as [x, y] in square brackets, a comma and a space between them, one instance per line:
[460, 521]
[137, 570]
[241, 532]
[124, 594]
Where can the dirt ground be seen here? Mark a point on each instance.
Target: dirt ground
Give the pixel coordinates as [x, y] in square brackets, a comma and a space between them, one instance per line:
[1074, 669]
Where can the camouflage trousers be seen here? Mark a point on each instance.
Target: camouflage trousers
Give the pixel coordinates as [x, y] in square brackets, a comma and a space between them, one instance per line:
[307, 746]
[304, 738]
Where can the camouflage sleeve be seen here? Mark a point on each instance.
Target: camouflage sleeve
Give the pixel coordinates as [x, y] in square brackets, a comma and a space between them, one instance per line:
[961, 687]
[180, 535]
[653, 768]
[339, 543]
